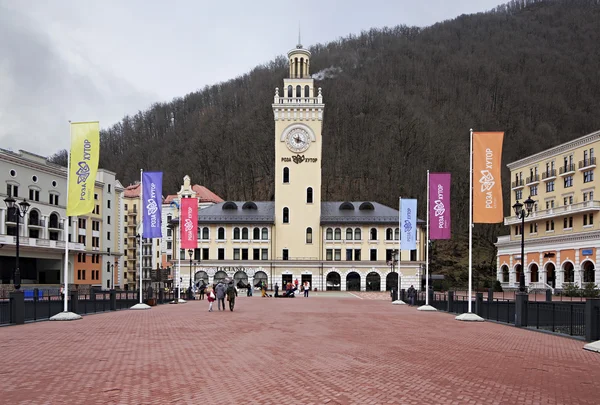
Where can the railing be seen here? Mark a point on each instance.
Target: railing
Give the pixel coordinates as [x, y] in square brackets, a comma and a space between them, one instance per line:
[556, 211]
[549, 174]
[298, 100]
[55, 225]
[557, 317]
[517, 183]
[567, 169]
[36, 222]
[533, 179]
[499, 310]
[585, 163]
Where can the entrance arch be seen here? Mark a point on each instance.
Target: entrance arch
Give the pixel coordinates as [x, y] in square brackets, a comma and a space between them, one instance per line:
[589, 272]
[373, 281]
[551, 274]
[569, 273]
[534, 273]
[518, 269]
[240, 279]
[201, 276]
[260, 278]
[219, 276]
[505, 274]
[353, 281]
[333, 281]
[391, 281]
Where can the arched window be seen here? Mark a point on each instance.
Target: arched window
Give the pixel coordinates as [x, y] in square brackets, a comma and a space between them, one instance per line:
[205, 233]
[256, 233]
[295, 67]
[357, 234]
[245, 233]
[290, 91]
[286, 175]
[306, 91]
[265, 234]
[199, 232]
[338, 234]
[286, 215]
[396, 234]
[505, 275]
[298, 91]
[388, 234]
[329, 234]
[348, 233]
[308, 235]
[301, 67]
[236, 233]
[309, 195]
[221, 233]
[373, 234]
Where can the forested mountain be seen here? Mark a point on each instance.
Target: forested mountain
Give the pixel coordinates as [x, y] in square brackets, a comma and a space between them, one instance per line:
[398, 101]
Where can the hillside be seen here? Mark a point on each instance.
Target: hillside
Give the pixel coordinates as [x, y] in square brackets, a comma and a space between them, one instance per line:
[398, 100]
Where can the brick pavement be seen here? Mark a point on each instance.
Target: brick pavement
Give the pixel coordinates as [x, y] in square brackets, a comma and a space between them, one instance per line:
[293, 351]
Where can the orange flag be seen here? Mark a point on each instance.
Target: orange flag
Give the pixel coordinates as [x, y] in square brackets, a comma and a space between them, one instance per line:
[487, 184]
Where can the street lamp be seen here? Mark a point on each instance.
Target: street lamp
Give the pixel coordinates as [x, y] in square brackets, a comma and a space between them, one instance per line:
[393, 261]
[18, 210]
[190, 253]
[522, 214]
[112, 277]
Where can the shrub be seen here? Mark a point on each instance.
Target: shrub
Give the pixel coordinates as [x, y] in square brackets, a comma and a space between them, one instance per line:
[590, 290]
[571, 290]
[497, 286]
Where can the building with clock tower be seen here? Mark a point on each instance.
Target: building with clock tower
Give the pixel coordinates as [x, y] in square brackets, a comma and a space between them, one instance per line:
[333, 245]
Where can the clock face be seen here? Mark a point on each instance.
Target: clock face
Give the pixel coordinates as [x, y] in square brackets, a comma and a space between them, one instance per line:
[297, 140]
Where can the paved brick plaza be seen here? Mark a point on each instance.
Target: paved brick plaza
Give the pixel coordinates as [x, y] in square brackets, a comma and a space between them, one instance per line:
[337, 350]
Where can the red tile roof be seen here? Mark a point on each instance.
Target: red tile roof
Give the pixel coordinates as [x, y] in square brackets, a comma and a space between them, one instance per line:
[202, 193]
[133, 190]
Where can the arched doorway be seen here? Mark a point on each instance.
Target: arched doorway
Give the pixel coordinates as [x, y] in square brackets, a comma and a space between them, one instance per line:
[569, 273]
[260, 278]
[551, 274]
[333, 281]
[391, 281]
[534, 273]
[219, 276]
[505, 274]
[518, 273]
[201, 276]
[353, 281]
[240, 279]
[589, 272]
[373, 281]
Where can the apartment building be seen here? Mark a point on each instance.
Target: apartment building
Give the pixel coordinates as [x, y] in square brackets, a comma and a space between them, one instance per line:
[561, 234]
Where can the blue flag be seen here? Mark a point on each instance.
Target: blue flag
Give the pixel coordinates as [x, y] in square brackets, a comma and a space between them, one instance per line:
[408, 224]
[152, 204]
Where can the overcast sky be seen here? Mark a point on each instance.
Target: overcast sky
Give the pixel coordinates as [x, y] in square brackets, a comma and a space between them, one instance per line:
[100, 60]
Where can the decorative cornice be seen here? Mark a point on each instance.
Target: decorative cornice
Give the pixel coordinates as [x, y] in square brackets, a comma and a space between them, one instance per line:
[555, 151]
[579, 237]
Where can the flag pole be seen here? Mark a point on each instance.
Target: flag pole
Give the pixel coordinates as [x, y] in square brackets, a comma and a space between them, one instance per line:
[427, 307]
[179, 256]
[398, 300]
[140, 231]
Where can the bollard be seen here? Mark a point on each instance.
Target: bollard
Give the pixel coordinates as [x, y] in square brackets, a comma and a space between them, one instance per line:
[491, 295]
[74, 302]
[521, 303]
[450, 301]
[430, 295]
[17, 307]
[403, 295]
[113, 300]
[479, 303]
[161, 296]
[549, 295]
[592, 325]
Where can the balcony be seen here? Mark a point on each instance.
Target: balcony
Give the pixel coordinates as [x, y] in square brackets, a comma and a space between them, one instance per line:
[36, 223]
[586, 164]
[53, 225]
[517, 184]
[579, 208]
[132, 212]
[549, 175]
[533, 180]
[567, 169]
[26, 242]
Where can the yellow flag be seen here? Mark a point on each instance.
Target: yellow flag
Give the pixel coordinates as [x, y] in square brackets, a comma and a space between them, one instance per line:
[85, 152]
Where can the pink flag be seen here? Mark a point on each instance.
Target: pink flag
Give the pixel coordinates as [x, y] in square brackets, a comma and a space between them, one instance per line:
[439, 206]
[189, 223]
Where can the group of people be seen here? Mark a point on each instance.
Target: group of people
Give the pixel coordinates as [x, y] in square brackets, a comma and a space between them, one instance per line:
[223, 289]
[290, 289]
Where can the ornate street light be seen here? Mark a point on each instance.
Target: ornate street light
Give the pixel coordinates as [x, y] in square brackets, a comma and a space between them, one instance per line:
[522, 214]
[18, 210]
[190, 253]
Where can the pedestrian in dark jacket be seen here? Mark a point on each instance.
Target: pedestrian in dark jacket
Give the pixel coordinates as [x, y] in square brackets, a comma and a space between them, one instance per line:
[411, 295]
[220, 290]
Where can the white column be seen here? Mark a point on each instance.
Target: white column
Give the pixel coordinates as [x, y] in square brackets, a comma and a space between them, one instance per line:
[363, 280]
[383, 282]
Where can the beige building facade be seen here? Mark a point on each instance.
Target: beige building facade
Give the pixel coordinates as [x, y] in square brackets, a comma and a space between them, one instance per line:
[344, 245]
[562, 238]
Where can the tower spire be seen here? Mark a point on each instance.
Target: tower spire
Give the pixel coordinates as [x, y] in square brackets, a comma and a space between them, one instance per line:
[299, 46]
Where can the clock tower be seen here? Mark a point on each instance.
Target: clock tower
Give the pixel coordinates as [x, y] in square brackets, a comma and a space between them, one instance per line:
[298, 112]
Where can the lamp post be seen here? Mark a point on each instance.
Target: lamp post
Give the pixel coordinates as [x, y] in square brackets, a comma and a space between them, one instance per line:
[522, 214]
[392, 263]
[18, 210]
[112, 277]
[190, 253]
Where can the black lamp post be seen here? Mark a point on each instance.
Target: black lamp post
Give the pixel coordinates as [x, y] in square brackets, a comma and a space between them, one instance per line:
[522, 214]
[190, 253]
[18, 210]
[392, 263]
[112, 277]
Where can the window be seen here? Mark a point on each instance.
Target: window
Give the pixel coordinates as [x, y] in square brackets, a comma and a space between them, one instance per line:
[549, 204]
[413, 255]
[329, 254]
[53, 199]
[285, 254]
[518, 194]
[286, 215]
[517, 230]
[309, 195]
[348, 233]
[169, 232]
[550, 226]
[95, 197]
[357, 255]
[236, 233]
[264, 254]
[588, 176]
[244, 254]
[108, 220]
[109, 188]
[255, 254]
[169, 245]
[34, 195]
[256, 233]
[338, 234]
[265, 234]
[550, 186]
[357, 234]
[81, 239]
[298, 91]
[205, 233]
[568, 181]
[397, 234]
[329, 234]
[373, 255]
[108, 204]
[290, 91]
[309, 235]
[337, 254]
[286, 175]
[533, 227]
[107, 235]
[568, 222]
[373, 234]
[221, 254]
[13, 190]
[306, 91]
[245, 233]
[389, 234]
[168, 218]
[221, 233]
[349, 255]
[533, 190]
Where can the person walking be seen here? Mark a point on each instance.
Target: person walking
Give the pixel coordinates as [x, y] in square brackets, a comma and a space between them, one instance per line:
[210, 296]
[306, 288]
[202, 290]
[249, 293]
[220, 290]
[276, 290]
[231, 294]
[411, 295]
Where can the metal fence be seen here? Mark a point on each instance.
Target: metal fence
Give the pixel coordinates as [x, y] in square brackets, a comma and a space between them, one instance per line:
[499, 310]
[566, 318]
